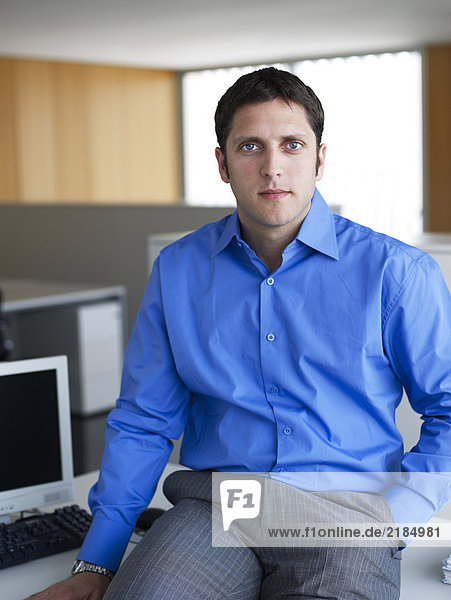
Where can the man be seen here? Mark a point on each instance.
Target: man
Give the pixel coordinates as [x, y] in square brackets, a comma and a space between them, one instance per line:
[279, 340]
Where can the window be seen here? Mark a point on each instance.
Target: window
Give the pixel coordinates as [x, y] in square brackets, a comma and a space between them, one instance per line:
[373, 133]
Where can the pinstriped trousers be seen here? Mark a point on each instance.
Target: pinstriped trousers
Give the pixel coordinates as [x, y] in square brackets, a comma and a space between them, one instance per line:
[176, 561]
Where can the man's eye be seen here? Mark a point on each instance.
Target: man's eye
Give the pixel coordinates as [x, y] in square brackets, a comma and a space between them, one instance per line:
[249, 147]
[294, 145]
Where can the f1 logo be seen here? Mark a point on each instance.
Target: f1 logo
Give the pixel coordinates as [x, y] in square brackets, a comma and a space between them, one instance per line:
[240, 499]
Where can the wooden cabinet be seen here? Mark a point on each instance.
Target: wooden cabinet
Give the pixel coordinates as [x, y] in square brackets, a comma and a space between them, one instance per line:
[87, 133]
[437, 95]
[8, 171]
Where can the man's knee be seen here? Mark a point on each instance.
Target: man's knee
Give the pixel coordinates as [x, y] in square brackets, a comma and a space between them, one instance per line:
[176, 560]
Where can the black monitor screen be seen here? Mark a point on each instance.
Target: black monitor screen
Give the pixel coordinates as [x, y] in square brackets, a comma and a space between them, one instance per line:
[29, 430]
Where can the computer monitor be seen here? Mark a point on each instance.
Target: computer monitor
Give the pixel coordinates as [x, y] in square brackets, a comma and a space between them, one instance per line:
[35, 434]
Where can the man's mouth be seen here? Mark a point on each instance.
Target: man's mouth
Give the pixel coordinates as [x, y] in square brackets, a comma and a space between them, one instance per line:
[276, 194]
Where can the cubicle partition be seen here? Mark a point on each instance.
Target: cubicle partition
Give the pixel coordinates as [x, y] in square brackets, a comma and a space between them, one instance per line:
[99, 245]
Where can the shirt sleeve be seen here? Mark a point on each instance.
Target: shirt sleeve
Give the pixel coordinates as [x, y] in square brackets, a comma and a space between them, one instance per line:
[151, 410]
[417, 341]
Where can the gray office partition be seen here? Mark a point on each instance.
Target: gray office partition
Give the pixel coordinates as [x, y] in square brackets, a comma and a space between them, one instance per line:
[91, 244]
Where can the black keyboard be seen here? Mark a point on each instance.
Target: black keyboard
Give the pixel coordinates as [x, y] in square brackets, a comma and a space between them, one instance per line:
[43, 535]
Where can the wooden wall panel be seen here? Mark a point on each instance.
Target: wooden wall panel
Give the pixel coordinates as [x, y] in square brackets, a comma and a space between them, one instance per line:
[155, 139]
[438, 138]
[8, 189]
[86, 133]
[106, 105]
[132, 135]
[34, 123]
[71, 134]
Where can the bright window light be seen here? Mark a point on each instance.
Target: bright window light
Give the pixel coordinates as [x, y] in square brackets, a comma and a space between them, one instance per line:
[373, 133]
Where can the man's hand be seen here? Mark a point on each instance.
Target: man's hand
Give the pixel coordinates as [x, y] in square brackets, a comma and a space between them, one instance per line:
[83, 586]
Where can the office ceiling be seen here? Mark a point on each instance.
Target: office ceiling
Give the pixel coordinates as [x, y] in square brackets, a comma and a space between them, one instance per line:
[185, 34]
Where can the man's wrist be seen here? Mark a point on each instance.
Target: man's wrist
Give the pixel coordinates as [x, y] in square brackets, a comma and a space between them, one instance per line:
[82, 566]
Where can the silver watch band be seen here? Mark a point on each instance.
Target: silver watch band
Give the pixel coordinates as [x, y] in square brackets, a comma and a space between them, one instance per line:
[81, 565]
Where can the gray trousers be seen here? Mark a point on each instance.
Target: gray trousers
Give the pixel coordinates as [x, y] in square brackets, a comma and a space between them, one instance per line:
[176, 561]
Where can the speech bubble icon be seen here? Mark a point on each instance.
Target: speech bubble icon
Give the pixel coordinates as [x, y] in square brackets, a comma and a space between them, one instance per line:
[240, 499]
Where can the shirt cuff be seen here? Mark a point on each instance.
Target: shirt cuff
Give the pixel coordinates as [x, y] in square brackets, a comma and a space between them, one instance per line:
[105, 543]
[408, 506]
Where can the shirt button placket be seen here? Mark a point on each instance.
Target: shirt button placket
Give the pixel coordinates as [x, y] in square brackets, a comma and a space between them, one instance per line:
[269, 362]
[270, 336]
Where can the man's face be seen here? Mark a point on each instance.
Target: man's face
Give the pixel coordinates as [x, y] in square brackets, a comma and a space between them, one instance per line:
[272, 162]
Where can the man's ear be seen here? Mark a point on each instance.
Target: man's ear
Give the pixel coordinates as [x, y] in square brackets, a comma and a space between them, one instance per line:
[321, 162]
[222, 164]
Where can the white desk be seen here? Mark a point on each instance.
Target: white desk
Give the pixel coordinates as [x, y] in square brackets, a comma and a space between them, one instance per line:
[16, 583]
[421, 567]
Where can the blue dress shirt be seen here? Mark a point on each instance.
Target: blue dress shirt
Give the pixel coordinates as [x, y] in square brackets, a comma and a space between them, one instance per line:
[296, 370]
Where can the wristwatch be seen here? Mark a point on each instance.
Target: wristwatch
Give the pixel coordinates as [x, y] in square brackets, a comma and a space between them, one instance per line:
[81, 565]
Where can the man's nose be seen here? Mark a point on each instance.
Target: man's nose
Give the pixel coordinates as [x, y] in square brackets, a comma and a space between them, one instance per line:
[271, 163]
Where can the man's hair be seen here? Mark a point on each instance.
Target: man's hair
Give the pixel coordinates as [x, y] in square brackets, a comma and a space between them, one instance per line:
[265, 85]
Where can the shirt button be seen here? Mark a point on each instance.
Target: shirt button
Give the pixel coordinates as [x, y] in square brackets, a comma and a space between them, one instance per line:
[270, 281]
[281, 470]
[287, 430]
[274, 389]
[270, 337]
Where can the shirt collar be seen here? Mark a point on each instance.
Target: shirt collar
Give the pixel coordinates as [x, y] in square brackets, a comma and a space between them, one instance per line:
[231, 230]
[317, 229]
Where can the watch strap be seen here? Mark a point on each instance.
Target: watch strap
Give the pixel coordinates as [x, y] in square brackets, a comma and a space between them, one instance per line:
[80, 566]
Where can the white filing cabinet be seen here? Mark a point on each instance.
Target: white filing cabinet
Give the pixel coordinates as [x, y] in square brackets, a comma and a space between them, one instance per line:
[100, 347]
[86, 323]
